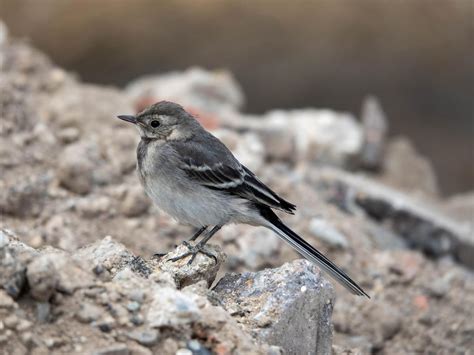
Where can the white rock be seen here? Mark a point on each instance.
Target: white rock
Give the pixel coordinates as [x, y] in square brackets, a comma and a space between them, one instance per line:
[171, 308]
[323, 230]
[209, 91]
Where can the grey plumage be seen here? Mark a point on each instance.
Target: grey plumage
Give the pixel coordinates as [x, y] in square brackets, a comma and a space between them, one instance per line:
[193, 176]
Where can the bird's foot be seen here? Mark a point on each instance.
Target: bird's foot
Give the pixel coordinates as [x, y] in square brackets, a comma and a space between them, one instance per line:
[194, 250]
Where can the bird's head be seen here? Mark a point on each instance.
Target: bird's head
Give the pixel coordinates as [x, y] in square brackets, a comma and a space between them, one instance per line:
[164, 120]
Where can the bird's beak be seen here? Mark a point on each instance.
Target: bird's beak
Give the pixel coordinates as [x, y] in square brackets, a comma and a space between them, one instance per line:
[128, 118]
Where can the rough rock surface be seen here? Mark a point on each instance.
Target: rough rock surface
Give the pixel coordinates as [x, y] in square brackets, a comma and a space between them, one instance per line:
[422, 226]
[290, 306]
[128, 310]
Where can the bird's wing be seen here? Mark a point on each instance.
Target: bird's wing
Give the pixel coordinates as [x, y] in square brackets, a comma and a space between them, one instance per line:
[216, 168]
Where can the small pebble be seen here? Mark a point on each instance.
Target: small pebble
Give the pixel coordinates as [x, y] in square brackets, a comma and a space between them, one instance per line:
[133, 306]
[137, 319]
[23, 325]
[11, 321]
[43, 311]
[147, 337]
[184, 352]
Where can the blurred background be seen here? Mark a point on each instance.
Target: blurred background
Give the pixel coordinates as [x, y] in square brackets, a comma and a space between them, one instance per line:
[415, 56]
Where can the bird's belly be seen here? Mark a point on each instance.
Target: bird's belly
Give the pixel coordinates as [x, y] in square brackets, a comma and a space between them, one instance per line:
[197, 207]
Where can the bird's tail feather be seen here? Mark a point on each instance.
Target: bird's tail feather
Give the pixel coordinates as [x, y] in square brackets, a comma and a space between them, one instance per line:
[311, 253]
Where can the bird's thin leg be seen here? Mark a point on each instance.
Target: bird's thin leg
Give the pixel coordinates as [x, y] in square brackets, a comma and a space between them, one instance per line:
[209, 235]
[198, 248]
[197, 234]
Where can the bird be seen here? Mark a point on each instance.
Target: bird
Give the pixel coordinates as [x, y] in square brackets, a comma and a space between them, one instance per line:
[192, 176]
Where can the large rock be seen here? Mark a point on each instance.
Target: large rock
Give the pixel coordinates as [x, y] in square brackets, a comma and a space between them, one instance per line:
[308, 134]
[112, 256]
[290, 306]
[375, 126]
[206, 91]
[406, 169]
[423, 226]
[55, 271]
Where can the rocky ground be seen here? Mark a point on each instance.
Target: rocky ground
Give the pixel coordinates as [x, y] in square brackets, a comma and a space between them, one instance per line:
[78, 234]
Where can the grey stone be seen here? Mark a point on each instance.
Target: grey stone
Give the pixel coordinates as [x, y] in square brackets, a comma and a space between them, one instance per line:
[326, 232]
[5, 300]
[197, 348]
[43, 312]
[93, 206]
[14, 256]
[26, 198]
[406, 169]
[147, 337]
[171, 308]
[55, 271]
[76, 167]
[120, 349]
[375, 127]
[135, 202]
[89, 312]
[290, 306]
[106, 252]
[133, 306]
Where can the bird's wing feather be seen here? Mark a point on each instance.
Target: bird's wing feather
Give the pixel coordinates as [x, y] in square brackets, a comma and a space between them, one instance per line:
[219, 170]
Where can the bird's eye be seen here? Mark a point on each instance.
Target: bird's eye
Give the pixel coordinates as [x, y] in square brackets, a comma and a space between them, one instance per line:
[155, 123]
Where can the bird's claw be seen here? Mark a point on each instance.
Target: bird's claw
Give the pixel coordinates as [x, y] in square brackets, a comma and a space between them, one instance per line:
[193, 251]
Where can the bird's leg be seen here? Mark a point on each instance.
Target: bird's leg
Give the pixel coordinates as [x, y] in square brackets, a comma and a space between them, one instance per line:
[197, 234]
[198, 248]
[193, 238]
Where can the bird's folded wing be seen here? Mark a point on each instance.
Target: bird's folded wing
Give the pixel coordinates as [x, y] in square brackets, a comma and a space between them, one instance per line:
[236, 180]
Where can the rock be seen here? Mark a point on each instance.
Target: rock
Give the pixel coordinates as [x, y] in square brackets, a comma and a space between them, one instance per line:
[256, 246]
[290, 306]
[89, 312]
[25, 198]
[77, 164]
[207, 91]
[120, 349]
[202, 268]
[5, 300]
[279, 145]
[111, 255]
[197, 348]
[373, 324]
[171, 308]
[405, 169]
[93, 206]
[14, 256]
[55, 271]
[135, 202]
[69, 134]
[43, 312]
[421, 225]
[323, 230]
[60, 231]
[320, 135]
[147, 337]
[375, 127]
[460, 207]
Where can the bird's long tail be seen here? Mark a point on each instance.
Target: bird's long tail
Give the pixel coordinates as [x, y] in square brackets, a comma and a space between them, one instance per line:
[309, 252]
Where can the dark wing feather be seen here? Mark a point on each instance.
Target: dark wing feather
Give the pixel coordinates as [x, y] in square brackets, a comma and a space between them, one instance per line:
[217, 169]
